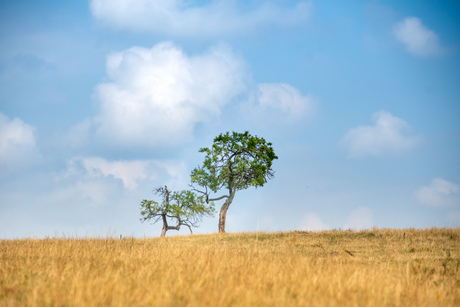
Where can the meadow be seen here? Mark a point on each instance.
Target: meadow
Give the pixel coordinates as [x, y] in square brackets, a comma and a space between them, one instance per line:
[379, 267]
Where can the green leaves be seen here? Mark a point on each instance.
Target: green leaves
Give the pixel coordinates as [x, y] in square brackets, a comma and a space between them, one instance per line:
[185, 207]
[235, 161]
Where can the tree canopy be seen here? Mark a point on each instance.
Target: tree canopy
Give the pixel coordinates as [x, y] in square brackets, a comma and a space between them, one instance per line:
[184, 208]
[234, 162]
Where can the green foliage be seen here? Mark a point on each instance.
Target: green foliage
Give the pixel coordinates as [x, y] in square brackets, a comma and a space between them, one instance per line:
[235, 162]
[183, 207]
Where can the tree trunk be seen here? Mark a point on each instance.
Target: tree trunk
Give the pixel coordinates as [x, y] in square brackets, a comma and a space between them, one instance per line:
[223, 212]
[165, 226]
[223, 216]
[165, 221]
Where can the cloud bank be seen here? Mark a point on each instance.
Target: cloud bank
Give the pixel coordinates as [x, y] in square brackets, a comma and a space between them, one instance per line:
[440, 193]
[179, 18]
[389, 135]
[417, 39]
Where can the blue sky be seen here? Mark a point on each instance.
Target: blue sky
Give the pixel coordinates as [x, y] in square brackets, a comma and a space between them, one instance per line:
[101, 101]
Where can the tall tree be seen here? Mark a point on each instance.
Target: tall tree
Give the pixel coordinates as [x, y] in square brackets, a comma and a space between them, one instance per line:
[184, 208]
[234, 162]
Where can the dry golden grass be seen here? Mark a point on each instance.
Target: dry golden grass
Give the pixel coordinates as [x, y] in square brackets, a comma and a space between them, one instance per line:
[382, 267]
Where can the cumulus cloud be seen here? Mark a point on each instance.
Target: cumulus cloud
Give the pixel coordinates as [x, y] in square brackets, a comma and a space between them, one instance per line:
[17, 140]
[439, 193]
[390, 134]
[285, 99]
[156, 96]
[416, 38]
[359, 219]
[178, 17]
[312, 222]
[277, 103]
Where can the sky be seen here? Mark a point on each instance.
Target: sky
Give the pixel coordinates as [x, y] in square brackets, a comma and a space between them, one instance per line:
[103, 101]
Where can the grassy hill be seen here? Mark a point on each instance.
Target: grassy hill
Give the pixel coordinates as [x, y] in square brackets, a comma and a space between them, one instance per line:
[382, 267]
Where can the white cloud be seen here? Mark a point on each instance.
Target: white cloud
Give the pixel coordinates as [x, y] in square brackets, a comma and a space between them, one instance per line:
[359, 219]
[17, 141]
[271, 104]
[92, 192]
[129, 172]
[390, 134]
[312, 222]
[417, 39]
[284, 99]
[439, 193]
[178, 17]
[156, 96]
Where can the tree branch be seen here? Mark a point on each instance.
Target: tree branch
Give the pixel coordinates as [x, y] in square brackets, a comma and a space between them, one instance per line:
[218, 198]
[189, 228]
[207, 195]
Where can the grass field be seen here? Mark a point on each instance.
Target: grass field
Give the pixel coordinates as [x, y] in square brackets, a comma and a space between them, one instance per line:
[381, 267]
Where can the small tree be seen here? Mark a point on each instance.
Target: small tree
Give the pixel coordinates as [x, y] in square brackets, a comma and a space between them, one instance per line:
[185, 208]
[234, 162]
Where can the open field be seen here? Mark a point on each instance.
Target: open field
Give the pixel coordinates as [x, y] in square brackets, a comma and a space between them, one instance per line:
[382, 267]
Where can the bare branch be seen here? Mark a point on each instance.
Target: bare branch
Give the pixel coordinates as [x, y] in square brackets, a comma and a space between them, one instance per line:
[194, 189]
[218, 198]
[191, 232]
[207, 195]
